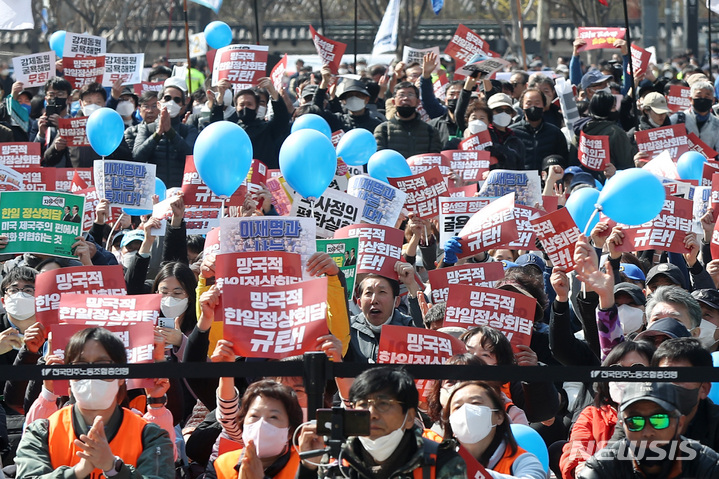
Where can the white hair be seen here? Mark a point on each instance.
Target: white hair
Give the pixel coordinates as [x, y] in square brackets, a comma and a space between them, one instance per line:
[702, 85]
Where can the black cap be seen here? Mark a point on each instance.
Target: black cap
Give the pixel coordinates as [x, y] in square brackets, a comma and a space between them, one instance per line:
[632, 290]
[348, 85]
[663, 394]
[671, 271]
[669, 327]
[582, 178]
[309, 90]
[710, 297]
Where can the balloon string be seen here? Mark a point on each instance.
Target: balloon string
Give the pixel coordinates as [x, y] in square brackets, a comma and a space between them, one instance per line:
[222, 211]
[109, 238]
[591, 218]
[312, 208]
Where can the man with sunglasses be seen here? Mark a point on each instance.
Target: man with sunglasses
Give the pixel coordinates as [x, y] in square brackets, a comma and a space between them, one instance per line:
[653, 448]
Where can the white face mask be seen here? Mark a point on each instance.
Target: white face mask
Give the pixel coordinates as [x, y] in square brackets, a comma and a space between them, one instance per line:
[172, 108]
[355, 104]
[632, 318]
[94, 394]
[269, 440]
[476, 126]
[381, 448]
[227, 98]
[198, 108]
[706, 333]
[471, 423]
[261, 112]
[502, 119]
[377, 329]
[125, 108]
[606, 89]
[88, 110]
[20, 306]
[173, 307]
[616, 391]
[652, 122]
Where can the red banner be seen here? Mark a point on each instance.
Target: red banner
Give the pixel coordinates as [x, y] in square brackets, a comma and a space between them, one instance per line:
[525, 232]
[274, 321]
[280, 195]
[696, 144]
[640, 59]
[710, 168]
[478, 141]
[330, 51]
[671, 138]
[599, 37]
[426, 161]
[666, 232]
[380, 247]
[465, 44]
[267, 268]
[81, 71]
[92, 198]
[492, 226]
[212, 242]
[278, 73]
[102, 310]
[679, 98]
[336, 137]
[468, 164]
[478, 274]
[423, 192]
[141, 88]
[510, 312]
[38, 178]
[73, 130]
[558, 234]
[593, 151]
[439, 84]
[197, 193]
[20, 155]
[241, 65]
[64, 177]
[715, 241]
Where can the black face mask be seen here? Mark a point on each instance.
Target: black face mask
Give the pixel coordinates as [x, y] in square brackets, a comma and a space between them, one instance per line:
[702, 105]
[247, 115]
[688, 398]
[534, 113]
[406, 111]
[452, 104]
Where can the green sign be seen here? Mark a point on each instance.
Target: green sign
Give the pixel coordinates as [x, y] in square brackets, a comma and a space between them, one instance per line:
[344, 253]
[18, 114]
[42, 222]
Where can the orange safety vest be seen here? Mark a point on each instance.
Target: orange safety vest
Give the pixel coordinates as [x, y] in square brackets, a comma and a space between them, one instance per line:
[225, 465]
[504, 466]
[127, 443]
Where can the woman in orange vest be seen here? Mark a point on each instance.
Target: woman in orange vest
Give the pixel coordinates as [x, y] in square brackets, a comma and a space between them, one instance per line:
[269, 415]
[476, 418]
[95, 437]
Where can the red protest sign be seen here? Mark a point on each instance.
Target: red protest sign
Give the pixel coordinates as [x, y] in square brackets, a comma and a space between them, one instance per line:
[77, 183]
[510, 312]
[49, 285]
[478, 141]
[274, 321]
[102, 310]
[281, 195]
[492, 226]
[640, 59]
[336, 137]
[525, 232]
[439, 85]
[475, 469]
[696, 144]
[679, 98]
[550, 203]
[710, 168]
[141, 88]
[20, 155]
[212, 242]
[593, 151]
[38, 178]
[468, 164]
[330, 51]
[599, 37]
[715, 241]
[558, 234]
[65, 177]
[663, 166]
[666, 232]
[465, 44]
[426, 161]
[277, 74]
[73, 130]
[92, 198]
[671, 138]
[197, 193]
[380, 247]
[423, 192]
[478, 274]
[241, 65]
[266, 268]
[81, 71]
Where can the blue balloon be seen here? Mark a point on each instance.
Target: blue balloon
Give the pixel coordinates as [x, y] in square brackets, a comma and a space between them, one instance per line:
[136, 212]
[714, 392]
[105, 130]
[356, 146]
[530, 440]
[57, 42]
[388, 164]
[310, 121]
[691, 166]
[598, 185]
[580, 205]
[633, 197]
[160, 188]
[223, 156]
[308, 162]
[218, 34]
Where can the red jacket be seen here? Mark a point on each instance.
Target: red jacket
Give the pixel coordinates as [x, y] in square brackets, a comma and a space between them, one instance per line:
[593, 429]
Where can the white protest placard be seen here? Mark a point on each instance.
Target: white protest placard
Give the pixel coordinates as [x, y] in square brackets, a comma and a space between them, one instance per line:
[383, 202]
[198, 45]
[454, 212]
[123, 66]
[333, 210]
[278, 73]
[411, 55]
[34, 70]
[525, 184]
[126, 184]
[83, 45]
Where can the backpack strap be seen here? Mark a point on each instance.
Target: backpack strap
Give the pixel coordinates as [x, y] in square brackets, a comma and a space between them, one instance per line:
[429, 456]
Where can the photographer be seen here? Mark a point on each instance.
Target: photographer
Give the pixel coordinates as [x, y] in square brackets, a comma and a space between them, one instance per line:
[395, 444]
[57, 92]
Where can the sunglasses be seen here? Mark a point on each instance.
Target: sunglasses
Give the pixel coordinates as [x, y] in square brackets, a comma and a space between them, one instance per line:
[176, 99]
[637, 423]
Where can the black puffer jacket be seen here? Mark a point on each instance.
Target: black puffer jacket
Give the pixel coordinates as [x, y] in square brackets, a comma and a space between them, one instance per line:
[541, 142]
[409, 137]
[169, 152]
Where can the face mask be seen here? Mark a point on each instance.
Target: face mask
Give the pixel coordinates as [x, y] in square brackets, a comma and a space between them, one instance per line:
[20, 306]
[471, 423]
[381, 448]
[172, 108]
[125, 108]
[606, 89]
[269, 440]
[88, 110]
[534, 113]
[94, 394]
[173, 307]
[247, 115]
[355, 104]
[377, 329]
[27, 107]
[706, 334]
[502, 120]
[342, 71]
[616, 391]
[476, 126]
[702, 104]
[688, 398]
[652, 122]
[197, 109]
[261, 112]
[632, 319]
[406, 111]
[5, 72]
[452, 104]
[227, 98]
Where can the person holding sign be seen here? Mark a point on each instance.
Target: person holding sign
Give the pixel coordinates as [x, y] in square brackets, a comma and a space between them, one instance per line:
[57, 92]
[699, 118]
[654, 114]
[353, 96]
[95, 437]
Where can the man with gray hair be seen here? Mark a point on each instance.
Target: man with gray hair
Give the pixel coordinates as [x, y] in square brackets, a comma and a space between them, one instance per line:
[699, 118]
[674, 302]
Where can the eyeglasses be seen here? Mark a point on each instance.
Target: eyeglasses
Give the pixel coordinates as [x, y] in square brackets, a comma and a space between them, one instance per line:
[402, 96]
[176, 99]
[637, 423]
[174, 293]
[148, 106]
[24, 289]
[381, 405]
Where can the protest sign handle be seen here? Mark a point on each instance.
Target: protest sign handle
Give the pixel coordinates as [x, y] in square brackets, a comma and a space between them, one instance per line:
[591, 218]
